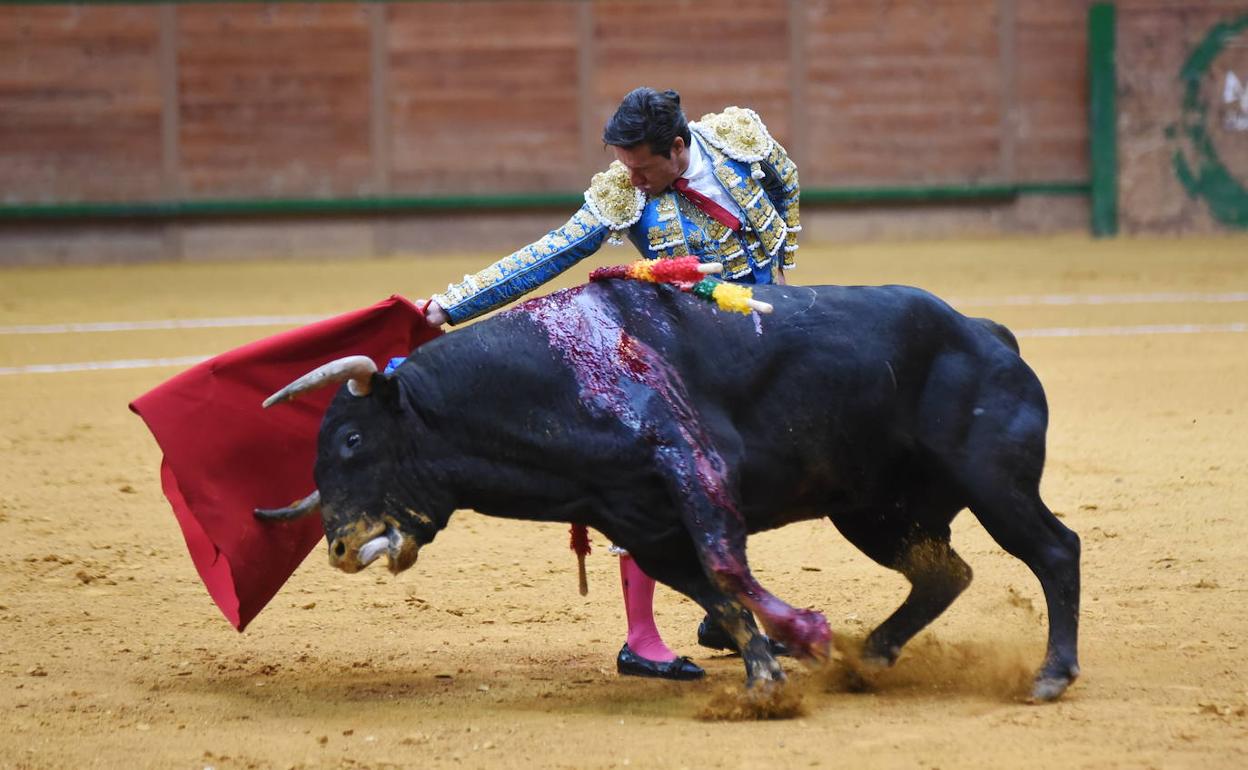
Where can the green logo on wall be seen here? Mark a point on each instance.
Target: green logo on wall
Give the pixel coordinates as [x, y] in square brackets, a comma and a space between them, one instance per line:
[1213, 161]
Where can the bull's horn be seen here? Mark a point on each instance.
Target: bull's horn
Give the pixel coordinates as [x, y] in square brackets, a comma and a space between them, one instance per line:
[305, 507]
[357, 370]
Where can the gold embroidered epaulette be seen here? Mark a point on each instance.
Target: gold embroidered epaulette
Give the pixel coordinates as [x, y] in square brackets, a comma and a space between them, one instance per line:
[738, 132]
[613, 199]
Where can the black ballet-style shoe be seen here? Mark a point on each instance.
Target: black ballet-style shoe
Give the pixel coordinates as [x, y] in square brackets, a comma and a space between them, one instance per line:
[629, 663]
[712, 636]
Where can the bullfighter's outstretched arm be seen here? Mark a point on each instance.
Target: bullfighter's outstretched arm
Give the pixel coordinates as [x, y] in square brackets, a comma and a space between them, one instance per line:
[612, 205]
[524, 270]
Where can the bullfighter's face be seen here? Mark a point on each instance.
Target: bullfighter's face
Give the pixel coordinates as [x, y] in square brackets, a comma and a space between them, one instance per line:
[365, 473]
[650, 173]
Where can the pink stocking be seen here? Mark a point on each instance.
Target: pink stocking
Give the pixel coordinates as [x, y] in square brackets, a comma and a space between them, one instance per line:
[643, 634]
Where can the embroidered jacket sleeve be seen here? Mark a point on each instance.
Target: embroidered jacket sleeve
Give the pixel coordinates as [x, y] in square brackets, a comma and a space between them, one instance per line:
[611, 204]
[780, 182]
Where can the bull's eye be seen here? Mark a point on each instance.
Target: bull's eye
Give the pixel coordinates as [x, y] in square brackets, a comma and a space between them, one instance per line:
[353, 441]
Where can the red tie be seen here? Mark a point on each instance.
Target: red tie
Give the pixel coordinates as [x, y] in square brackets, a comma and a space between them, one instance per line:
[708, 206]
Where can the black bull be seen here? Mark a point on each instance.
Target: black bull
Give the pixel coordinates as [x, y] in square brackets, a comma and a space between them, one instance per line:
[677, 430]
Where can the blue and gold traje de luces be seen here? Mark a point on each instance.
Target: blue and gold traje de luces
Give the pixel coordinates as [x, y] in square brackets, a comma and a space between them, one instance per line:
[752, 168]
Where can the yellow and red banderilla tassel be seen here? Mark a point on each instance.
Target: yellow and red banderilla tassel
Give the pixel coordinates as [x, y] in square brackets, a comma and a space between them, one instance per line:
[688, 274]
[732, 297]
[679, 271]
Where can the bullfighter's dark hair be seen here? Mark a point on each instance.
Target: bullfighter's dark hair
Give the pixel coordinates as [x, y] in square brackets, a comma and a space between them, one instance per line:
[650, 117]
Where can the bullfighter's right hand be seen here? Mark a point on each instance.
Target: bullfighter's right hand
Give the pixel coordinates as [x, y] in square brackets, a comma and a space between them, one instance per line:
[435, 316]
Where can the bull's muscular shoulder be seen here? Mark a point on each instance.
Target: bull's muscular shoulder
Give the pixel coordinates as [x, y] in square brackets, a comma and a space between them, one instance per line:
[613, 199]
[737, 132]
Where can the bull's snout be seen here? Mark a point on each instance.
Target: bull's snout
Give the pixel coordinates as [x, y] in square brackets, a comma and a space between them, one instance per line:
[348, 556]
[359, 545]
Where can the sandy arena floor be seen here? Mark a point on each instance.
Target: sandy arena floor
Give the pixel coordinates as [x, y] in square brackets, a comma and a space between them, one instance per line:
[112, 654]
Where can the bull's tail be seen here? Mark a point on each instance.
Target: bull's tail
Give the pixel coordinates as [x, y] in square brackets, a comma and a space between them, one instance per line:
[1001, 333]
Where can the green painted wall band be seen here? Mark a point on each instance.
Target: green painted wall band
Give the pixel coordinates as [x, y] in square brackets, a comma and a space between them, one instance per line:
[1103, 118]
[465, 203]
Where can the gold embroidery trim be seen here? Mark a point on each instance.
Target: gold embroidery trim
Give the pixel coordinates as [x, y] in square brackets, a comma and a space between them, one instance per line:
[738, 132]
[613, 199]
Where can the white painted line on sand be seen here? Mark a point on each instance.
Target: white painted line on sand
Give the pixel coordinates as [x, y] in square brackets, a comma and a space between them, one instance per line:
[94, 366]
[1133, 331]
[1158, 298]
[168, 323]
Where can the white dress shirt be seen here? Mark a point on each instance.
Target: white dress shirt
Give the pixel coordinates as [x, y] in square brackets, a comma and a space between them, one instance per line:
[701, 176]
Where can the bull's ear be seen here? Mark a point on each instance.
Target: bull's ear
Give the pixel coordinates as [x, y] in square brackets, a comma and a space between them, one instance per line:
[386, 390]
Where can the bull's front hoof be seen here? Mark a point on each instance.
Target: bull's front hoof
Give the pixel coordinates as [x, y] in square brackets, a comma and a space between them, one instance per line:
[761, 669]
[763, 687]
[809, 636]
[765, 678]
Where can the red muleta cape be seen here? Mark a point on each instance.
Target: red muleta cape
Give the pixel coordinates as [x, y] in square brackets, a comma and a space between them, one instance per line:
[224, 455]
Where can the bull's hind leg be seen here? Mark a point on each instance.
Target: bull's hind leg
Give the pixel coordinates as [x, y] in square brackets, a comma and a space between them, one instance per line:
[1000, 471]
[919, 550]
[1021, 523]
